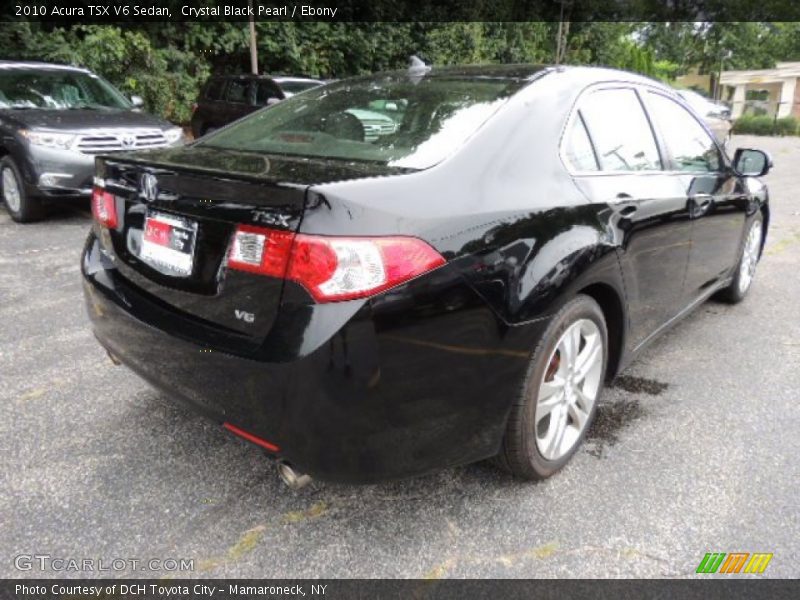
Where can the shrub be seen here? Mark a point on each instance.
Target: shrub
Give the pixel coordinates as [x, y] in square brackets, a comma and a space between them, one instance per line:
[766, 125]
[787, 126]
[754, 124]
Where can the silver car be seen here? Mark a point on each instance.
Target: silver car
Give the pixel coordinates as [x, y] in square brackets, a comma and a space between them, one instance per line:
[54, 119]
[716, 116]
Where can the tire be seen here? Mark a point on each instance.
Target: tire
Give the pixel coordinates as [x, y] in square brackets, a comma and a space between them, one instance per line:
[748, 261]
[529, 451]
[21, 207]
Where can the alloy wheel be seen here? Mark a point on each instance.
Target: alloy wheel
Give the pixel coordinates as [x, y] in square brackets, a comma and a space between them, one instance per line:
[11, 193]
[569, 388]
[752, 247]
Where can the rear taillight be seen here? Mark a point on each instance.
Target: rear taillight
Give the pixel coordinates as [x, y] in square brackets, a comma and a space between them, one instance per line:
[104, 207]
[332, 268]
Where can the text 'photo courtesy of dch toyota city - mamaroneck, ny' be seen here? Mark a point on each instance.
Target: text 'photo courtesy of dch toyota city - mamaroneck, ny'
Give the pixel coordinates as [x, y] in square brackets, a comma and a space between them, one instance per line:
[371, 299]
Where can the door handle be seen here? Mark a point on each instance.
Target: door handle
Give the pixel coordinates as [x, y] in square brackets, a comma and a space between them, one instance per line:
[701, 201]
[628, 209]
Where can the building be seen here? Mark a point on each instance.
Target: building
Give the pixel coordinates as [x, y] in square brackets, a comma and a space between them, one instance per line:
[773, 92]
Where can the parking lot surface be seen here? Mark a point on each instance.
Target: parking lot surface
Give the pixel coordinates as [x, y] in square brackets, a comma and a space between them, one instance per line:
[694, 450]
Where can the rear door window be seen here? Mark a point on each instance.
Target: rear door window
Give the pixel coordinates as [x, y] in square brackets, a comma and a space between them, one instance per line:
[578, 149]
[621, 133]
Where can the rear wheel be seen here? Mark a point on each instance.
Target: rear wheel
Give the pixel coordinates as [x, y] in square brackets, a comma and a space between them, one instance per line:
[559, 397]
[748, 261]
[20, 205]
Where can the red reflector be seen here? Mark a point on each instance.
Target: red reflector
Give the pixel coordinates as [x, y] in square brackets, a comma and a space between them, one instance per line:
[250, 437]
[332, 268]
[104, 207]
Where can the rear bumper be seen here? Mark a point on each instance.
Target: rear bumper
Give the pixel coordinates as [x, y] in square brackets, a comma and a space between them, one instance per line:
[405, 386]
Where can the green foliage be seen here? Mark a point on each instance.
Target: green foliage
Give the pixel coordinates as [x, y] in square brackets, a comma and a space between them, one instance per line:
[766, 125]
[641, 60]
[787, 126]
[732, 45]
[754, 124]
[166, 63]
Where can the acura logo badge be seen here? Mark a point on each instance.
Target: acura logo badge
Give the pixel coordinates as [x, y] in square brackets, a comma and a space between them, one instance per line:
[149, 185]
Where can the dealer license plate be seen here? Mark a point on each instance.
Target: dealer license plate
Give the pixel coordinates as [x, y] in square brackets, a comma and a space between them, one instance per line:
[168, 243]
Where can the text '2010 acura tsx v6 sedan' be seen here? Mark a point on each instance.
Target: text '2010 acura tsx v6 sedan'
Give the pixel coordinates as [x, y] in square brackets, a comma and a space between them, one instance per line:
[457, 290]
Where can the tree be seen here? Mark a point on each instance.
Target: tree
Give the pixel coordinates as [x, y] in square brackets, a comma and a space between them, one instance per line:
[166, 63]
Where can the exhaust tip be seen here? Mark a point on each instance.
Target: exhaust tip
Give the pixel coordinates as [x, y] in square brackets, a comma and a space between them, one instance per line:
[293, 479]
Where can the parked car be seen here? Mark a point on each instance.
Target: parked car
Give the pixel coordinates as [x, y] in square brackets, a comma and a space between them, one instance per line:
[227, 98]
[716, 115]
[460, 289]
[374, 124]
[54, 119]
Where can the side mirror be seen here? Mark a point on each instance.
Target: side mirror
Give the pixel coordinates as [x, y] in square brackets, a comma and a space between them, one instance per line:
[752, 163]
[137, 101]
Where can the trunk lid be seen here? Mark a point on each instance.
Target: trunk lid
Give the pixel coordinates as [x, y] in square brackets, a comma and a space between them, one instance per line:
[208, 192]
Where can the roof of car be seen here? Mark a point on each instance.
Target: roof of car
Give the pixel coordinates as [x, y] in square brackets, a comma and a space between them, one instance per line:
[288, 78]
[521, 73]
[16, 64]
[277, 78]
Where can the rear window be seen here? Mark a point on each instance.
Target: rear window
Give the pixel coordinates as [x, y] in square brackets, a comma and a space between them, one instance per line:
[393, 120]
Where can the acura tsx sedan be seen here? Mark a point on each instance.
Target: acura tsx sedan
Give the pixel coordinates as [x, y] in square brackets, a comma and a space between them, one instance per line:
[367, 309]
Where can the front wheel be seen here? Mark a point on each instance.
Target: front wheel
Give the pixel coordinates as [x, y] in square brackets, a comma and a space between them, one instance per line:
[748, 261]
[560, 393]
[20, 205]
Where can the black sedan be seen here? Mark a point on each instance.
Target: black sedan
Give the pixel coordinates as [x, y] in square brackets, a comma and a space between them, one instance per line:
[457, 290]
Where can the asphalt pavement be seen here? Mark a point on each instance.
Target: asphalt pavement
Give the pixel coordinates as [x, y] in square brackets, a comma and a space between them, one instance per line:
[695, 450]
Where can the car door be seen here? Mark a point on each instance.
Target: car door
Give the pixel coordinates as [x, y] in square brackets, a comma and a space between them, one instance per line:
[620, 165]
[716, 198]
